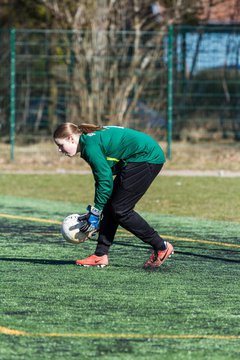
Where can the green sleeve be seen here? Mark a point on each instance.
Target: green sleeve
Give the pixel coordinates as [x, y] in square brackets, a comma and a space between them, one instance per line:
[102, 174]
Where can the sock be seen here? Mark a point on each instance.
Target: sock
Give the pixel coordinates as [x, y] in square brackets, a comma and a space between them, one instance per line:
[101, 250]
[158, 244]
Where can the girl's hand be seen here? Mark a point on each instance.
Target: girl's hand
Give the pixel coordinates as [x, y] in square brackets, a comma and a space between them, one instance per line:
[93, 218]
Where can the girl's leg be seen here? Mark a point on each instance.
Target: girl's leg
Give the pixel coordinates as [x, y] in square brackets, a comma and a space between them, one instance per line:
[129, 187]
[108, 225]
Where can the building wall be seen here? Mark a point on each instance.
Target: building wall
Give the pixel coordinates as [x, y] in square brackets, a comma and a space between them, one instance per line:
[222, 11]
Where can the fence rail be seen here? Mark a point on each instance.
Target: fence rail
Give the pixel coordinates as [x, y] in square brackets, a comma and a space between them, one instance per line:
[178, 83]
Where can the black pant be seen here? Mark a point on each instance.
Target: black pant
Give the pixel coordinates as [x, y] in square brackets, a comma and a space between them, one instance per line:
[129, 186]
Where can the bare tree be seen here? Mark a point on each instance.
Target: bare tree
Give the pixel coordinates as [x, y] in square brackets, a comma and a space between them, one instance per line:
[115, 46]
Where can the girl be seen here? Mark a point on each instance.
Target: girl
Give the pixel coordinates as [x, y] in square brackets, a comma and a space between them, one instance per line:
[136, 159]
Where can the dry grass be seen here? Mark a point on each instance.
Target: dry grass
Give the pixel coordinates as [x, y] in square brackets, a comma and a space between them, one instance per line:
[205, 156]
[185, 156]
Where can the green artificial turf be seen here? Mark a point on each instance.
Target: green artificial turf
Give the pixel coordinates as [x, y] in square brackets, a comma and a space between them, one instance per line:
[202, 197]
[119, 312]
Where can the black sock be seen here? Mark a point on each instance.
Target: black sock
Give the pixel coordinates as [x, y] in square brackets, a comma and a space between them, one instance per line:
[158, 244]
[101, 250]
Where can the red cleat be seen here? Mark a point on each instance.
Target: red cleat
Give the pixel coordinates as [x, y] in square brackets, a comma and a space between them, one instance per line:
[157, 258]
[94, 260]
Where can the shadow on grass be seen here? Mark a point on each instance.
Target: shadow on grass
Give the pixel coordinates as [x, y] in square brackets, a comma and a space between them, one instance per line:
[196, 248]
[40, 261]
[70, 262]
[208, 257]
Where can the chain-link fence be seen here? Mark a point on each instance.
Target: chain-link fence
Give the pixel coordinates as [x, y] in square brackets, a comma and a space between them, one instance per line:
[207, 82]
[182, 82]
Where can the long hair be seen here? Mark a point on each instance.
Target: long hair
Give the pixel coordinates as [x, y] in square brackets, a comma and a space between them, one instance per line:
[67, 129]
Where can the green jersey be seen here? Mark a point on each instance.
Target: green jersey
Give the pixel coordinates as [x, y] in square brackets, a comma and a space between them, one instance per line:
[108, 150]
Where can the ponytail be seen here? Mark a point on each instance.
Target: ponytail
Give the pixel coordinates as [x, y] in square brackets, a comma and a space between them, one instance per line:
[65, 130]
[88, 128]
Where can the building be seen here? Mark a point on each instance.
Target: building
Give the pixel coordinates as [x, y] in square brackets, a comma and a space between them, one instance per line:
[221, 11]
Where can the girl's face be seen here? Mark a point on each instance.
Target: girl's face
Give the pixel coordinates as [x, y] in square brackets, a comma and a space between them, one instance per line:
[68, 146]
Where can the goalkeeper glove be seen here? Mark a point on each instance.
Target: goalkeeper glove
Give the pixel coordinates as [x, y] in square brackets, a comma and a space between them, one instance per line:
[93, 220]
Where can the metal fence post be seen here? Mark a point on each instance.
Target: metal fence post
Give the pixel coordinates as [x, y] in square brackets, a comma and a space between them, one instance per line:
[12, 90]
[170, 91]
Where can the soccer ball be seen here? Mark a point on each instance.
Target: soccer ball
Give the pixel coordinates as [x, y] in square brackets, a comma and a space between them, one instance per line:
[71, 229]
